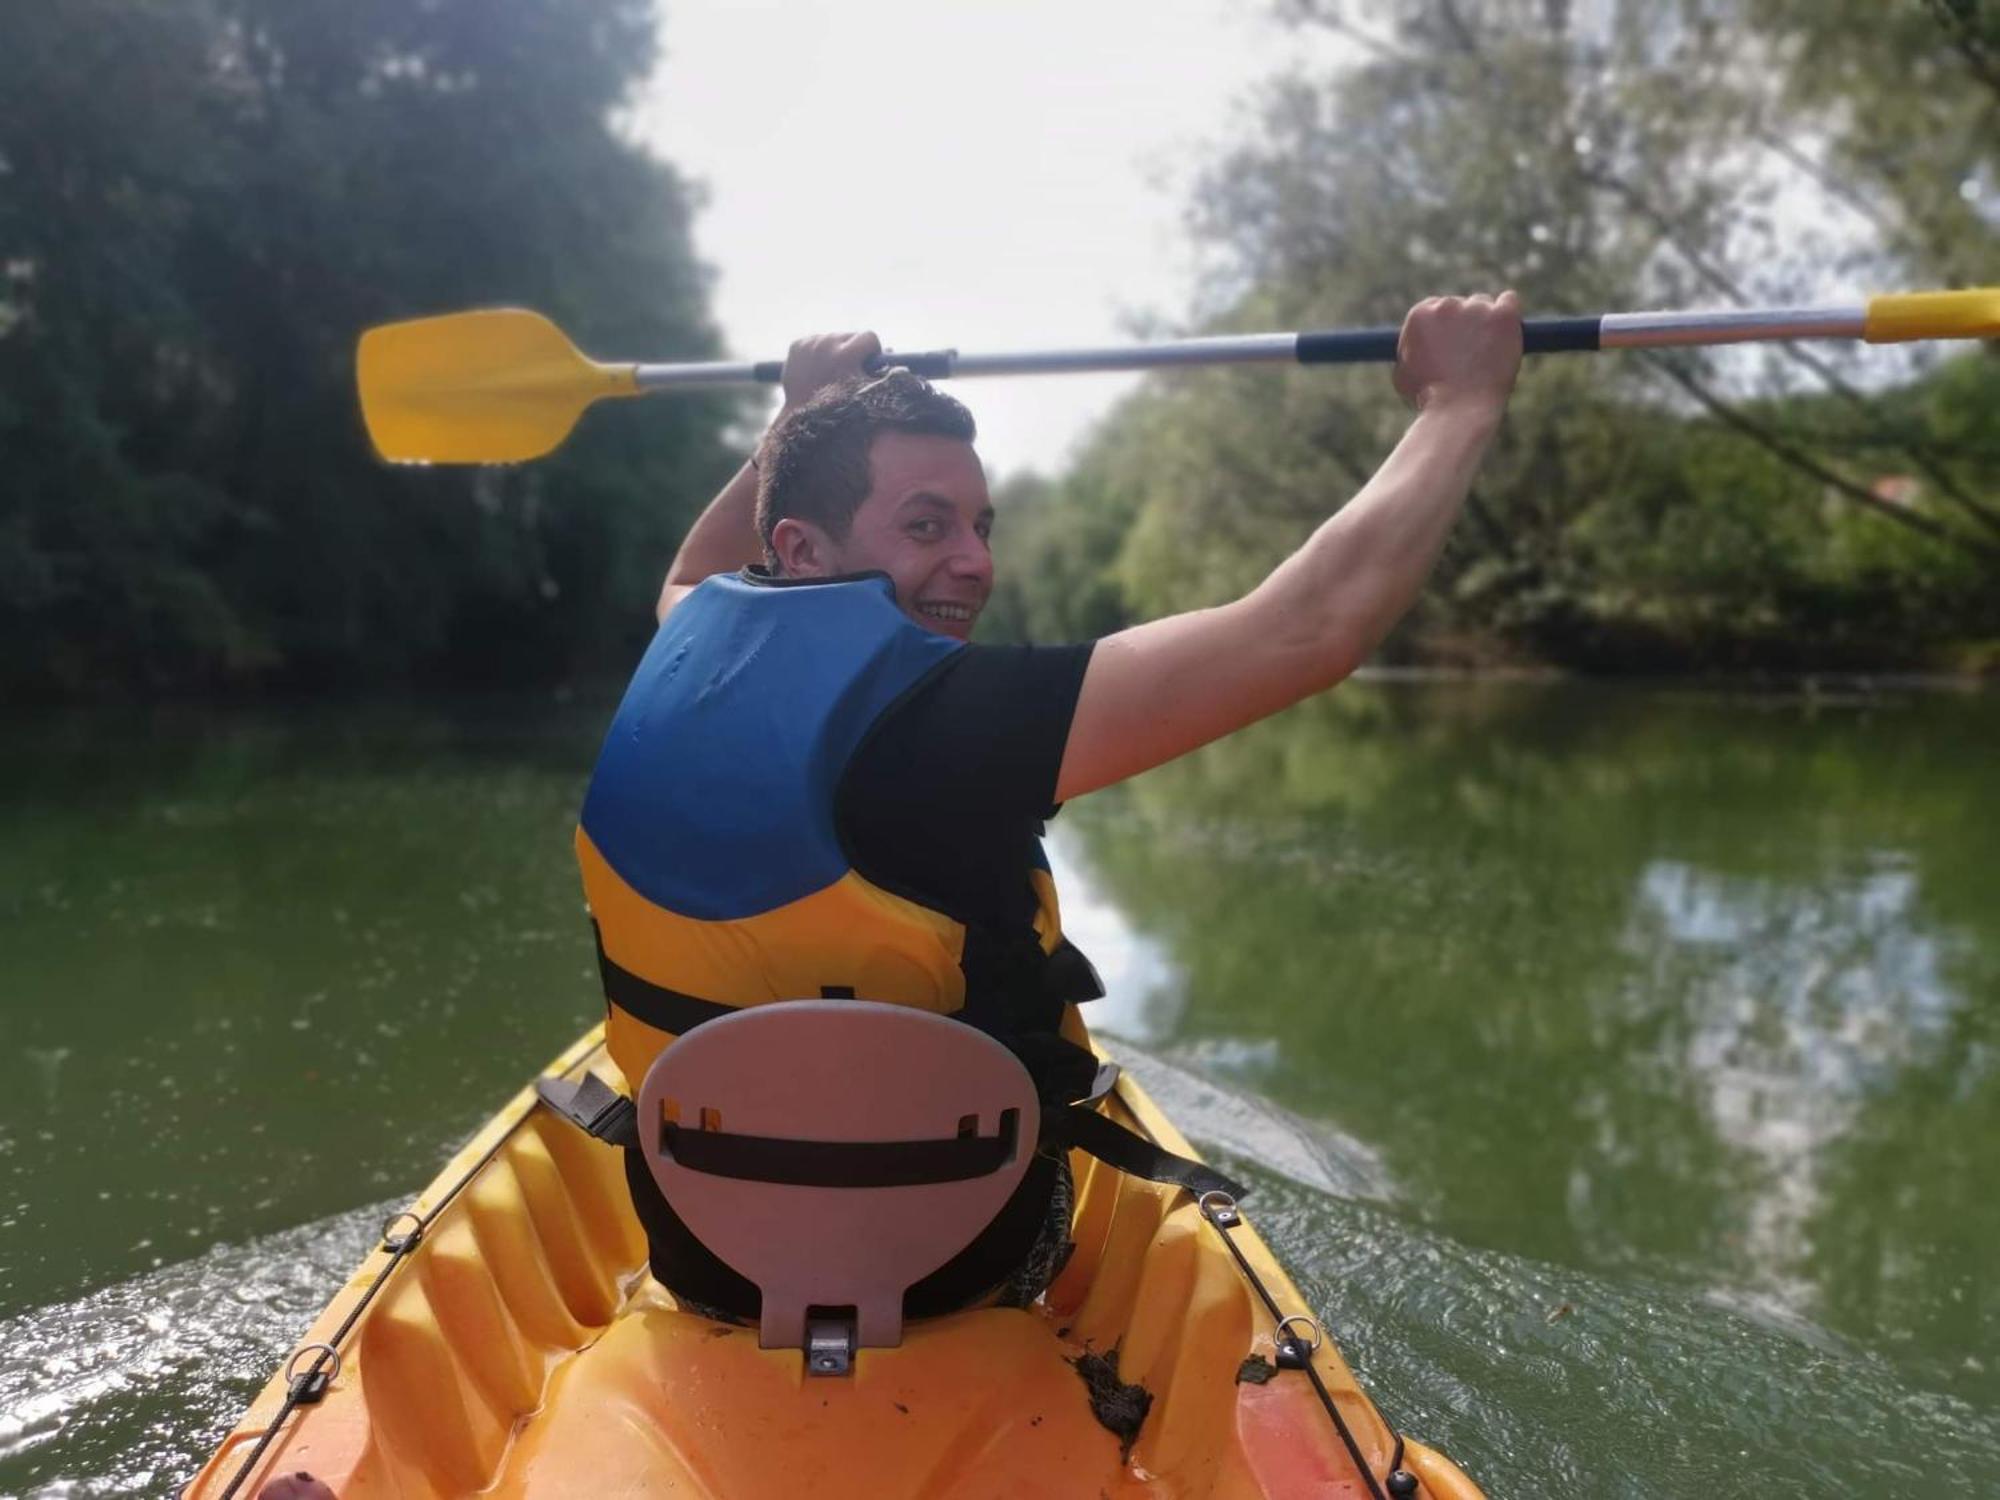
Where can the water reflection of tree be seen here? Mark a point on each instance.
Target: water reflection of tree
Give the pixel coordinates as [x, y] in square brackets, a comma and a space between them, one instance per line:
[1457, 907]
[1903, 1240]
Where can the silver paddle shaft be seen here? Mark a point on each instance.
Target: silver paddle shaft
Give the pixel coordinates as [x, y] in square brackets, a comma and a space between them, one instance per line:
[1652, 330]
[1338, 346]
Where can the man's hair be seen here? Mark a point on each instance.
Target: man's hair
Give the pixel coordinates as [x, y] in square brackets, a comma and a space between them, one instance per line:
[814, 463]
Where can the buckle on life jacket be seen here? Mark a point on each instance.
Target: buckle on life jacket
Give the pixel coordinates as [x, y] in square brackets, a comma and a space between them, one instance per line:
[592, 1106]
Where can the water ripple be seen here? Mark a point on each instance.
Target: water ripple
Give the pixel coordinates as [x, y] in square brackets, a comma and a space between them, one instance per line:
[1540, 1379]
[125, 1391]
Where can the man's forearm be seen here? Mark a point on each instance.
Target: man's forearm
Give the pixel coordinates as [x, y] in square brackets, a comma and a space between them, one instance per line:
[722, 539]
[1356, 576]
[1169, 686]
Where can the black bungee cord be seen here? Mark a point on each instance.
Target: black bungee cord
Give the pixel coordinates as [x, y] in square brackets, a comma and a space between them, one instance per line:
[309, 1387]
[1219, 1209]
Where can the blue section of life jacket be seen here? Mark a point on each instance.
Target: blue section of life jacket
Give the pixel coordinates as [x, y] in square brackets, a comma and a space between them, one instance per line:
[713, 796]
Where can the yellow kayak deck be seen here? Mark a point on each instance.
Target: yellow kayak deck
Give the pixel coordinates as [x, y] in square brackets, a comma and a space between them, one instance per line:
[522, 1350]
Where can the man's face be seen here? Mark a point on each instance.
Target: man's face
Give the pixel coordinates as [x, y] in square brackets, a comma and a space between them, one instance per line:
[925, 523]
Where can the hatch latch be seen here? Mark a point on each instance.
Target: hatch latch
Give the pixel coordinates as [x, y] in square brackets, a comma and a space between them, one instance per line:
[830, 1346]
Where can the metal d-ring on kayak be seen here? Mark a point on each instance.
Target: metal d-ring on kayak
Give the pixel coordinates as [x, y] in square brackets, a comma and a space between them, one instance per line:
[310, 1386]
[1220, 1210]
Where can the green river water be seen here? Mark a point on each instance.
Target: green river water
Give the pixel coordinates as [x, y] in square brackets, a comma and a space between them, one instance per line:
[1618, 1069]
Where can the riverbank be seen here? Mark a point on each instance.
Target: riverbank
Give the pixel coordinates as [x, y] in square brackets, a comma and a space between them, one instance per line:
[1637, 658]
[1965, 667]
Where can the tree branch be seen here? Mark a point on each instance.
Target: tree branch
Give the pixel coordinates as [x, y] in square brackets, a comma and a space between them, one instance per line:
[1919, 453]
[1978, 43]
[1840, 484]
[1829, 182]
[1307, 13]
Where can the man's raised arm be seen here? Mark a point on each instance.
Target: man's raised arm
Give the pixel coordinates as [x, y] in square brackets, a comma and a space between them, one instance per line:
[724, 537]
[1161, 689]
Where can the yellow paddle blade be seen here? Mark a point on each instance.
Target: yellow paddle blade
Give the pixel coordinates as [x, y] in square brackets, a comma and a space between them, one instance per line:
[1973, 314]
[494, 387]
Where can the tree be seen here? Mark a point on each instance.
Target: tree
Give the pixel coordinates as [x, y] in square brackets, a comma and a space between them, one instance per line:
[1618, 155]
[189, 500]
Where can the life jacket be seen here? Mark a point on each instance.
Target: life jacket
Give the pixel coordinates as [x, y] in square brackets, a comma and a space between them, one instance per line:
[711, 855]
[717, 877]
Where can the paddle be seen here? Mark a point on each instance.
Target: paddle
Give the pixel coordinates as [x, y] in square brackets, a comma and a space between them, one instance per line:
[505, 385]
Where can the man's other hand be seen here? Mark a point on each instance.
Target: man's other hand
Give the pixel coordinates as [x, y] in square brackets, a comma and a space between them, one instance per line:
[823, 359]
[1459, 350]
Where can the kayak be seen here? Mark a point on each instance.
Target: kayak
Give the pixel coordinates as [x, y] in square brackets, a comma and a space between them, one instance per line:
[506, 1339]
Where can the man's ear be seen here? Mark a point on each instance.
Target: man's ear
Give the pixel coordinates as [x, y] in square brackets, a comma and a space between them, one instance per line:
[802, 550]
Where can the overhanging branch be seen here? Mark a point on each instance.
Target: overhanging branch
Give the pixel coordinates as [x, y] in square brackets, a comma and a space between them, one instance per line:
[1734, 419]
[1918, 453]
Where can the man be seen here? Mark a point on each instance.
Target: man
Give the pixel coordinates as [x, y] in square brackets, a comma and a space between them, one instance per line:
[817, 787]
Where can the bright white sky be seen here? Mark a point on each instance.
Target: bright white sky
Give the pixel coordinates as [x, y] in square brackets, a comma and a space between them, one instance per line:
[954, 174]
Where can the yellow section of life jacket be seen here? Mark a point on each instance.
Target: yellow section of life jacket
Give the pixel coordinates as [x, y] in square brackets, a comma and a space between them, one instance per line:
[852, 935]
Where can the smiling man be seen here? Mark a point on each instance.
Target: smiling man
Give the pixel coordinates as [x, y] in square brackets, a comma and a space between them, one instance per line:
[818, 786]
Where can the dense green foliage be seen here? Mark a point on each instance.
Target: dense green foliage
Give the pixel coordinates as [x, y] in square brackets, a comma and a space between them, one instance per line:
[202, 202]
[1777, 507]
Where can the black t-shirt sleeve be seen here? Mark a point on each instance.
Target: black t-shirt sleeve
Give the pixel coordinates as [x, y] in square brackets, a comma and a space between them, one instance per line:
[945, 798]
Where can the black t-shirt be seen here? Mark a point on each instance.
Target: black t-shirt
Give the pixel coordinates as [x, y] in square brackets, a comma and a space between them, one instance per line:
[945, 798]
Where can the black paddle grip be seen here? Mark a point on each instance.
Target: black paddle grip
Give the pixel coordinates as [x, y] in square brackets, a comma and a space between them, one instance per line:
[1350, 346]
[1561, 335]
[932, 364]
[1361, 346]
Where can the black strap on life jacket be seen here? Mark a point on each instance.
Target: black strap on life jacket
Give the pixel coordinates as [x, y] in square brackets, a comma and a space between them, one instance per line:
[659, 1007]
[1098, 1135]
[1064, 977]
[599, 1110]
[1023, 1019]
[1021, 1016]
